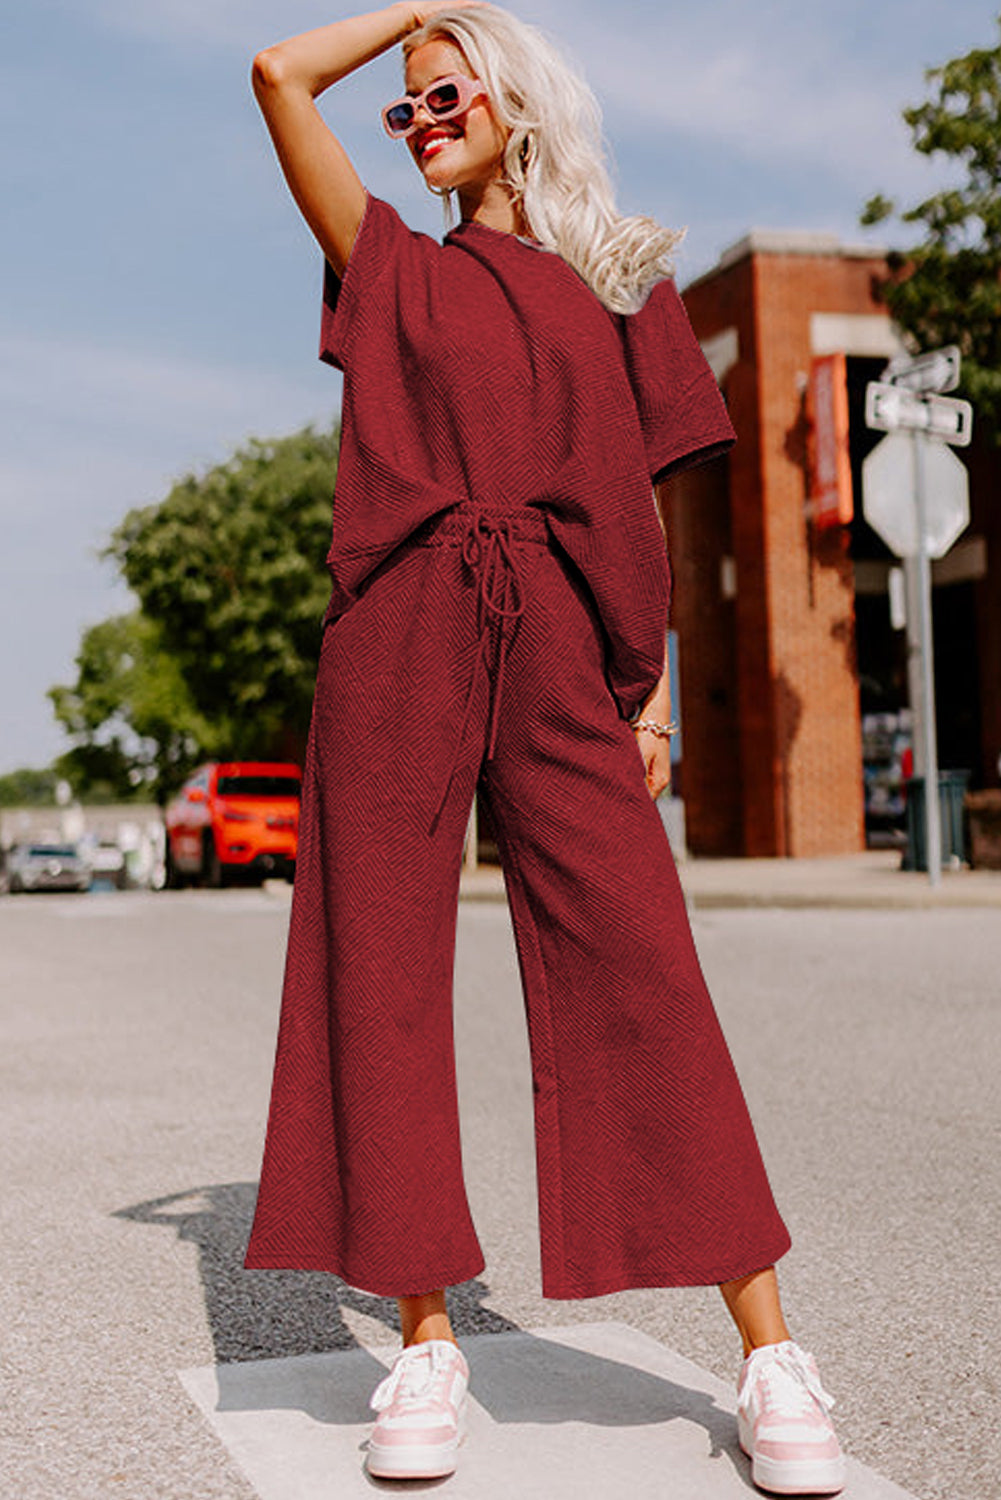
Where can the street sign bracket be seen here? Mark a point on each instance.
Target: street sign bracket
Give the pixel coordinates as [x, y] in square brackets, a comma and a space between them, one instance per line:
[891, 407]
[934, 371]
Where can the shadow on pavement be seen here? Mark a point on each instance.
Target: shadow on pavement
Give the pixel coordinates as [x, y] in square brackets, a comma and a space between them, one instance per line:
[283, 1315]
[276, 1314]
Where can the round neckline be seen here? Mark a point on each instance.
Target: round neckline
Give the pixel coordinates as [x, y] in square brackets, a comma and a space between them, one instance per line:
[507, 234]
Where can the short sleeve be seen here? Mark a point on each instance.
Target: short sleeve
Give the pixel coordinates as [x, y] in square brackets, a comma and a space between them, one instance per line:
[682, 414]
[385, 257]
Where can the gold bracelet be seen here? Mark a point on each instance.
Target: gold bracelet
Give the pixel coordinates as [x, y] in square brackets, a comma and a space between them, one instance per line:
[662, 731]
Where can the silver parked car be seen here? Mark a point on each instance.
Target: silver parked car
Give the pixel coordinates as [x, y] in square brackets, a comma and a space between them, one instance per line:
[106, 859]
[47, 867]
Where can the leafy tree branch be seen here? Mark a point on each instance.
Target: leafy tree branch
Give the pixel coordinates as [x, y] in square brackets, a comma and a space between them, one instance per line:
[946, 289]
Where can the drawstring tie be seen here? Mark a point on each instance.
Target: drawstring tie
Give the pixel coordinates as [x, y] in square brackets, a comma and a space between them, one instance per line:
[487, 549]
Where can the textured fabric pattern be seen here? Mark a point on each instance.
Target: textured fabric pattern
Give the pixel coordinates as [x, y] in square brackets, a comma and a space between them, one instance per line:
[500, 592]
[485, 371]
[648, 1169]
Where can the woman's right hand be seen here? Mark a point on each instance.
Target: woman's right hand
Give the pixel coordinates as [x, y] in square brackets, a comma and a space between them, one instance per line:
[288, 78]
[423, 10]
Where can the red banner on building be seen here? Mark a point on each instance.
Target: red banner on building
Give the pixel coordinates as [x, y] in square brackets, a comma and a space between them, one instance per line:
[830, 467]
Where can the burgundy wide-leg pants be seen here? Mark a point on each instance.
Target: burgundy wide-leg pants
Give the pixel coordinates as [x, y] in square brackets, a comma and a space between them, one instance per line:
[475, 653]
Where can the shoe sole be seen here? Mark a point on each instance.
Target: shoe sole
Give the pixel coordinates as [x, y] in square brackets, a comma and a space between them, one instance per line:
[795, 1476]
[411, 1463]
[423, 1462]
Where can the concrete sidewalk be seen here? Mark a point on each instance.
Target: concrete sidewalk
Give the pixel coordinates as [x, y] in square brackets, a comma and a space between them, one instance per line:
[872, 879]
[597, 1411]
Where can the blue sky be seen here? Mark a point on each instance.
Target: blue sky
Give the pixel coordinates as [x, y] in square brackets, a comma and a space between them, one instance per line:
[161, 295]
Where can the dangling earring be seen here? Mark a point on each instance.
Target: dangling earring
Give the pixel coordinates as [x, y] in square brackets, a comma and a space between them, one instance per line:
[447, 204]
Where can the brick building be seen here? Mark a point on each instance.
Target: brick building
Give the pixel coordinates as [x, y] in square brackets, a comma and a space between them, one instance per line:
[784, 635]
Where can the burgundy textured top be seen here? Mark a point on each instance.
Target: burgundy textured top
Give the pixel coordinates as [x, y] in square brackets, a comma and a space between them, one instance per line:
[485, 370]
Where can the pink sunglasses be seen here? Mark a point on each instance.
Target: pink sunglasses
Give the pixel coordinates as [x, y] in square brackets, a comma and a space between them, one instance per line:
[442, 99]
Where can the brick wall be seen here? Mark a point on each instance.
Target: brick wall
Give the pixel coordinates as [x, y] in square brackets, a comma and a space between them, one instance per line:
[985, 484]
[784, 648]
[697, 521]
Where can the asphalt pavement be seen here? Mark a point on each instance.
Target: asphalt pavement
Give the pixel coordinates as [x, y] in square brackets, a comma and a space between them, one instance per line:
[136, 1043]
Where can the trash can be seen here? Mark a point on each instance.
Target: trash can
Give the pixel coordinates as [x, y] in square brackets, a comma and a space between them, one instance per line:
[951, 793]
[983, 812]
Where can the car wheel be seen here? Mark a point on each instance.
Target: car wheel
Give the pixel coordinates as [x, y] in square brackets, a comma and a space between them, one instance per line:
[213, 873]
[173, 880]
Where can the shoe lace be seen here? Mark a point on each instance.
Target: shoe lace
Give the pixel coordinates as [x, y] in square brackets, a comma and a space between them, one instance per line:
[413, 1373]
[789, 1380]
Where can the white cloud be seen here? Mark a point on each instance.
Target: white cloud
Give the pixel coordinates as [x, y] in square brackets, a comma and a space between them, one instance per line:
[245, 25]
[796, 106]
[162, 413]
[779, 86]
[92, 431]
[776, 87]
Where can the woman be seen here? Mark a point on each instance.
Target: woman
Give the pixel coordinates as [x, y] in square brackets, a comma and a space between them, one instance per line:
[499, 608]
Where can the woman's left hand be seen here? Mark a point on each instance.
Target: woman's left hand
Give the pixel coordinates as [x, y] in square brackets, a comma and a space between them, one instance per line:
[655, 748]
[656, 753]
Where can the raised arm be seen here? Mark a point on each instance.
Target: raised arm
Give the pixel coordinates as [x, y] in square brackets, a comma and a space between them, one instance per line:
[288, 79]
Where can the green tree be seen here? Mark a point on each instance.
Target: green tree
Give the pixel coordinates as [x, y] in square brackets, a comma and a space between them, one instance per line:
[229, 567]
[135, 730]
[27, 787]
[947, 288]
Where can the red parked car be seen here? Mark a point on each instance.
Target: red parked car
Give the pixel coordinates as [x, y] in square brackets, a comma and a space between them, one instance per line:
[234, 818]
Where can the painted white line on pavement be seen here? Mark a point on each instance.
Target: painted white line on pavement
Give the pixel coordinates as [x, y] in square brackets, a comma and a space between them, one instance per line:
[592, 1411]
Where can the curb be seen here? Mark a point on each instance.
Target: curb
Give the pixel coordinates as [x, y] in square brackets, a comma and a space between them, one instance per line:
[972, 890]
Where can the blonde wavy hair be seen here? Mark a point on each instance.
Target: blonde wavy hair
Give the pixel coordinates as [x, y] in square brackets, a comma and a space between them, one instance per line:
[554, 163]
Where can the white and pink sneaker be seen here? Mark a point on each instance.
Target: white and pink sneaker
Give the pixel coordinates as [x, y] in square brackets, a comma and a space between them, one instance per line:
[783, 1423]
[422, 1409]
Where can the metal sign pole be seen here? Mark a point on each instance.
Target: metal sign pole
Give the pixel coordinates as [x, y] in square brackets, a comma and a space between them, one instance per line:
[933, 827]
[916, 496]
[912, 607]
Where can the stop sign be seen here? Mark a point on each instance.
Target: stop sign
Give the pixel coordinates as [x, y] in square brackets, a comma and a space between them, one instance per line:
[890, 487]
